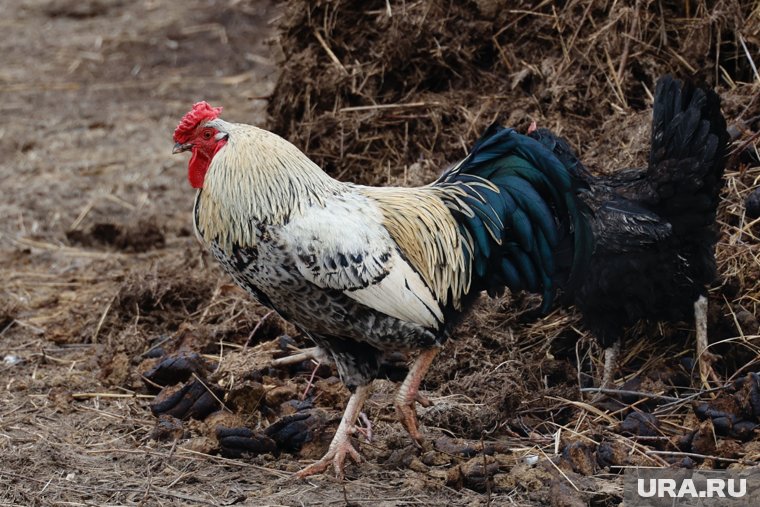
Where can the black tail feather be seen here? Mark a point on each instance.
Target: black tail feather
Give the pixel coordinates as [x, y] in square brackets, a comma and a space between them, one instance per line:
[687, 157]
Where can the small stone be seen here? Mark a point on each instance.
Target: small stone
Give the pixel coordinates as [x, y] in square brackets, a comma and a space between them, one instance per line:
[247, 396]
[234, 442]
[291, 432]
[478, 472]
[176, 368]
[703, 441]
[580, 456]
[504, 482]
[418, 466]
[190, 400]
[641, 424]
[278, 395]
[434, 458]
[167, 428]
[752, 204]
[611, 454]
[747, 321]
[437, 473]
[12, 360]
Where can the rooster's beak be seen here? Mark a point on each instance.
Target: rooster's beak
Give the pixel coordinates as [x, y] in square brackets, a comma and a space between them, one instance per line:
[179, 147]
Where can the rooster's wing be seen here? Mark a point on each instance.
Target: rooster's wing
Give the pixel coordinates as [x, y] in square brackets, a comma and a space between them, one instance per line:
[344, 246]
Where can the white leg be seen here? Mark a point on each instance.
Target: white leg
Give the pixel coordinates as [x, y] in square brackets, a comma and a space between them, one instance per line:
[704, 357]
[341, 442]
[610, 362]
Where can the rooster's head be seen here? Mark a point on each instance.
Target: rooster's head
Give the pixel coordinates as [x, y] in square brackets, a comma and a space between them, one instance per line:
[202, 140]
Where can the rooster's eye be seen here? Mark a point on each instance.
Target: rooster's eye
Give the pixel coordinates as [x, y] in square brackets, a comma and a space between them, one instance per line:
[206, 134]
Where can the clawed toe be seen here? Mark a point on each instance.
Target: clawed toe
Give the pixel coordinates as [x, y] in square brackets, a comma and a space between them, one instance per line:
[408, 418]
[313, 353]
[341, 446]
[336, 456]
[408, 393]
[422, 400]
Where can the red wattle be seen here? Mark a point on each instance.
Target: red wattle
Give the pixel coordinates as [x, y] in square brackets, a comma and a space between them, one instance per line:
[196, 169]
[199, 162]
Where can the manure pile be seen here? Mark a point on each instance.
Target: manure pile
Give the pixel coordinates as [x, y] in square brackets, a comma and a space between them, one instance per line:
[388, 93]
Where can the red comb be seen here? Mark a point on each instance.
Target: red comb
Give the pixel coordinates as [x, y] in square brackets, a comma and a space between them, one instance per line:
[201, 111]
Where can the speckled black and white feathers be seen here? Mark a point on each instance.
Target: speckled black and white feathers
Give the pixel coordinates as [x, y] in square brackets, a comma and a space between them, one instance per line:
[322, 295]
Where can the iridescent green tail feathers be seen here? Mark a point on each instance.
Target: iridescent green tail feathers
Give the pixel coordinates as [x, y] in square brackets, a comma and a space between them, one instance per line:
[519, 210]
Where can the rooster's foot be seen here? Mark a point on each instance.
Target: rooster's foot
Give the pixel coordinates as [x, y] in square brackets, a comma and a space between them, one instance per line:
[340, 447]
[336, 454]
[408, 418]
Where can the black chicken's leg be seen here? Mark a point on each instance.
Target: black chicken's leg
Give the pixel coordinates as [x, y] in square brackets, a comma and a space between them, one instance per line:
[610, 363]
[705, 358]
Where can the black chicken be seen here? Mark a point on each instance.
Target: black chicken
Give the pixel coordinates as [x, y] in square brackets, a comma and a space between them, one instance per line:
[654, 228]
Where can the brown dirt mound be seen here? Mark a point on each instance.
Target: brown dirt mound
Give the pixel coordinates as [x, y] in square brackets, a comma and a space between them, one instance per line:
[140, 236]
[380, 93]
[368, 88]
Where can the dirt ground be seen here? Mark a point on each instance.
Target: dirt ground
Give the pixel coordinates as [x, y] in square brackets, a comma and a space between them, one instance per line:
[103, 279]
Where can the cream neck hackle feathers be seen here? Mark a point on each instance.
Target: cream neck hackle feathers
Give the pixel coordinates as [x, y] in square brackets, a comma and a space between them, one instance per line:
[259, 178]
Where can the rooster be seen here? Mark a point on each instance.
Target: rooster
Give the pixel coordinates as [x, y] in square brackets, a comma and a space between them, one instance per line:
[366, 271]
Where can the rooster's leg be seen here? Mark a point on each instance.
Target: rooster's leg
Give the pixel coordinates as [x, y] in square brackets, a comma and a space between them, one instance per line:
[408, 393]
[315, 354]
[341, 442]
[705, 358]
